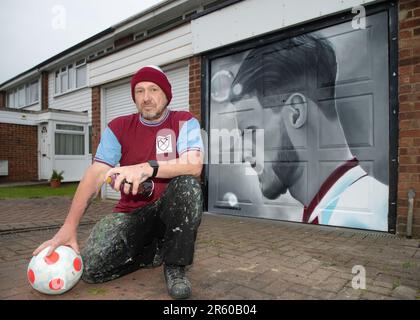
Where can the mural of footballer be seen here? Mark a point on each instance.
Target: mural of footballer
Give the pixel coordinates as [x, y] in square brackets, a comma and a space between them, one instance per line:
[279, 83]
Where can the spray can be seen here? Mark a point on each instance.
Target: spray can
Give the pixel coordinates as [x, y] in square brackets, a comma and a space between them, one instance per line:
[145, 188]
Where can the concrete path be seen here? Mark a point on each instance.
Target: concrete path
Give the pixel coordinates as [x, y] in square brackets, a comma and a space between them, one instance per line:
[236, 258]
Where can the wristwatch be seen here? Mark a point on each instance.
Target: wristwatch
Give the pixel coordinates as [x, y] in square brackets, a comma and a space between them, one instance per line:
[154, 164]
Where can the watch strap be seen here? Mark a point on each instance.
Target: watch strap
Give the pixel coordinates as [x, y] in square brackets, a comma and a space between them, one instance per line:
[154, 164]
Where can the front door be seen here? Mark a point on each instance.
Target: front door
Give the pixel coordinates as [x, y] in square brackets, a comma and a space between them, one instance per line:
[44, 152]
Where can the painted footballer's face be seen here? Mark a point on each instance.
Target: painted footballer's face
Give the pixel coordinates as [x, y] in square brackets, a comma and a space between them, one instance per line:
[277, 175]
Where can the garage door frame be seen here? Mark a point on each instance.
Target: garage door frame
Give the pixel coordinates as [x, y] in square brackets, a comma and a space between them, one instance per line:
[391, 9]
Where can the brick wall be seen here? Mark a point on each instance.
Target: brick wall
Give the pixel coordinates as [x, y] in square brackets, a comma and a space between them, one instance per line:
[195, 86]
[96, 118]
[195, 92]
[19, 145]
[2, 99]
[409, 112]
[44, 90]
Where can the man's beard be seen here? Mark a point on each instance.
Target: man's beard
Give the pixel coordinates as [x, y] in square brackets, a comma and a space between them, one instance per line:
[284, 168]
[151, 115]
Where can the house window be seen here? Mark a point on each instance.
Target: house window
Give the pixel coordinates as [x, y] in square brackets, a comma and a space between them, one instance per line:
[32, 92]
[70, 71]
[70, 77]
[21, 96]
[11, 100]
[24, 95]
[57, 82]
[64, 80]
[69, 127]
[81, 73]
[16, 99]
[69, 139]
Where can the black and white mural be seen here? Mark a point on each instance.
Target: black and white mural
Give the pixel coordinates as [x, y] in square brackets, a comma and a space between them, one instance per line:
[299, 128]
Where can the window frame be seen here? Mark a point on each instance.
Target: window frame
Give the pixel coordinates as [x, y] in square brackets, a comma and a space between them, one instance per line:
[14, 95]
[77, 67]
[69, 71]
[70, 132]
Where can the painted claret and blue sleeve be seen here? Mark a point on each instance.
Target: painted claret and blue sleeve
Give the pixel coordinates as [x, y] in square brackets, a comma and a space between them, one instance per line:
[109, 149]
[190, 137]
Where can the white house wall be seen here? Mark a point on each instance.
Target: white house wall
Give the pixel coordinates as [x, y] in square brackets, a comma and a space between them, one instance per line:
[31, 119]
[34, 107]
[251, 18]
[14, 117]
[78, 100]
[169, 47]
[74, 168]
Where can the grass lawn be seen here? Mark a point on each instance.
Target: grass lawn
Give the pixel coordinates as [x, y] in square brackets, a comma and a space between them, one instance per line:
[38, 191]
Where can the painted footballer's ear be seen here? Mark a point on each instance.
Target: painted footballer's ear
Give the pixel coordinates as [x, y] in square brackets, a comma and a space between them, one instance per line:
[297, 109]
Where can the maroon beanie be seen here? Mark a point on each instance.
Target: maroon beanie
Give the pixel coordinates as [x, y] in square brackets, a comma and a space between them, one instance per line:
[155, 75]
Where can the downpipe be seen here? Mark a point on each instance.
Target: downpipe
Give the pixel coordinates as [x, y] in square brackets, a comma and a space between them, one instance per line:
[411, 195]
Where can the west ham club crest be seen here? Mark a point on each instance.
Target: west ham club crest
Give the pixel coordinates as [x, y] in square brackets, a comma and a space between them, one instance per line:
[163, 144]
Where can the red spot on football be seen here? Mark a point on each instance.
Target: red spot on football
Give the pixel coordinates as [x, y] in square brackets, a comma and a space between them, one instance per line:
[77, 264]
[31, 276]
[56, 284]
[52, 258]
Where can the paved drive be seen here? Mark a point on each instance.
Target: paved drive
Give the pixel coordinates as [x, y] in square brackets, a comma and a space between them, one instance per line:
[236, 258]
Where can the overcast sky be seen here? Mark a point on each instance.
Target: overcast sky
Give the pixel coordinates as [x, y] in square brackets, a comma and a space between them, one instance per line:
[33, 31]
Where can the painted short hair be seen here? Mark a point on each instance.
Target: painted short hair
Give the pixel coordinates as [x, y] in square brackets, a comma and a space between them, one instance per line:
[299, 64]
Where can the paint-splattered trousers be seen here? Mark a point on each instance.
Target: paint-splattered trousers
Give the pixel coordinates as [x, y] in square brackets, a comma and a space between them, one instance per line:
[163, 231]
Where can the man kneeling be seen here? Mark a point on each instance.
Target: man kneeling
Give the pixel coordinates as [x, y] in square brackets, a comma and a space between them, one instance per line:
[148, 227]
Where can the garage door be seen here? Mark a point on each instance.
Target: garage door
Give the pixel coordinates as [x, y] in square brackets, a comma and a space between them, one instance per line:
[317, 109]
[118, 102]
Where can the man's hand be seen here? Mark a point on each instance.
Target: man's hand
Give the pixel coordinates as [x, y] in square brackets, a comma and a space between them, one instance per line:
[66, 236]
[131, 176]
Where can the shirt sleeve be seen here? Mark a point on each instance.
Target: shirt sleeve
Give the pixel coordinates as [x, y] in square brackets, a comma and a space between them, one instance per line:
[109, 149]
[189, 137]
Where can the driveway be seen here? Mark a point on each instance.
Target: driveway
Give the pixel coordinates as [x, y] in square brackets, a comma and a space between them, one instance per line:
[236, 258]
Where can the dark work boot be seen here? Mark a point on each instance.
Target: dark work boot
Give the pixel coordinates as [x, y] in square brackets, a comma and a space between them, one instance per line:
[179, 287]
[158, 259]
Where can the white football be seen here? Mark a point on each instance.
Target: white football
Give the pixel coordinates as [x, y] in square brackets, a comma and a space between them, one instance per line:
[56, 273]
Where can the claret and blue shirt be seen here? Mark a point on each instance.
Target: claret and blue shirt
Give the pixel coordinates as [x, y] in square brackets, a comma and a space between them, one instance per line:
[131, 139]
